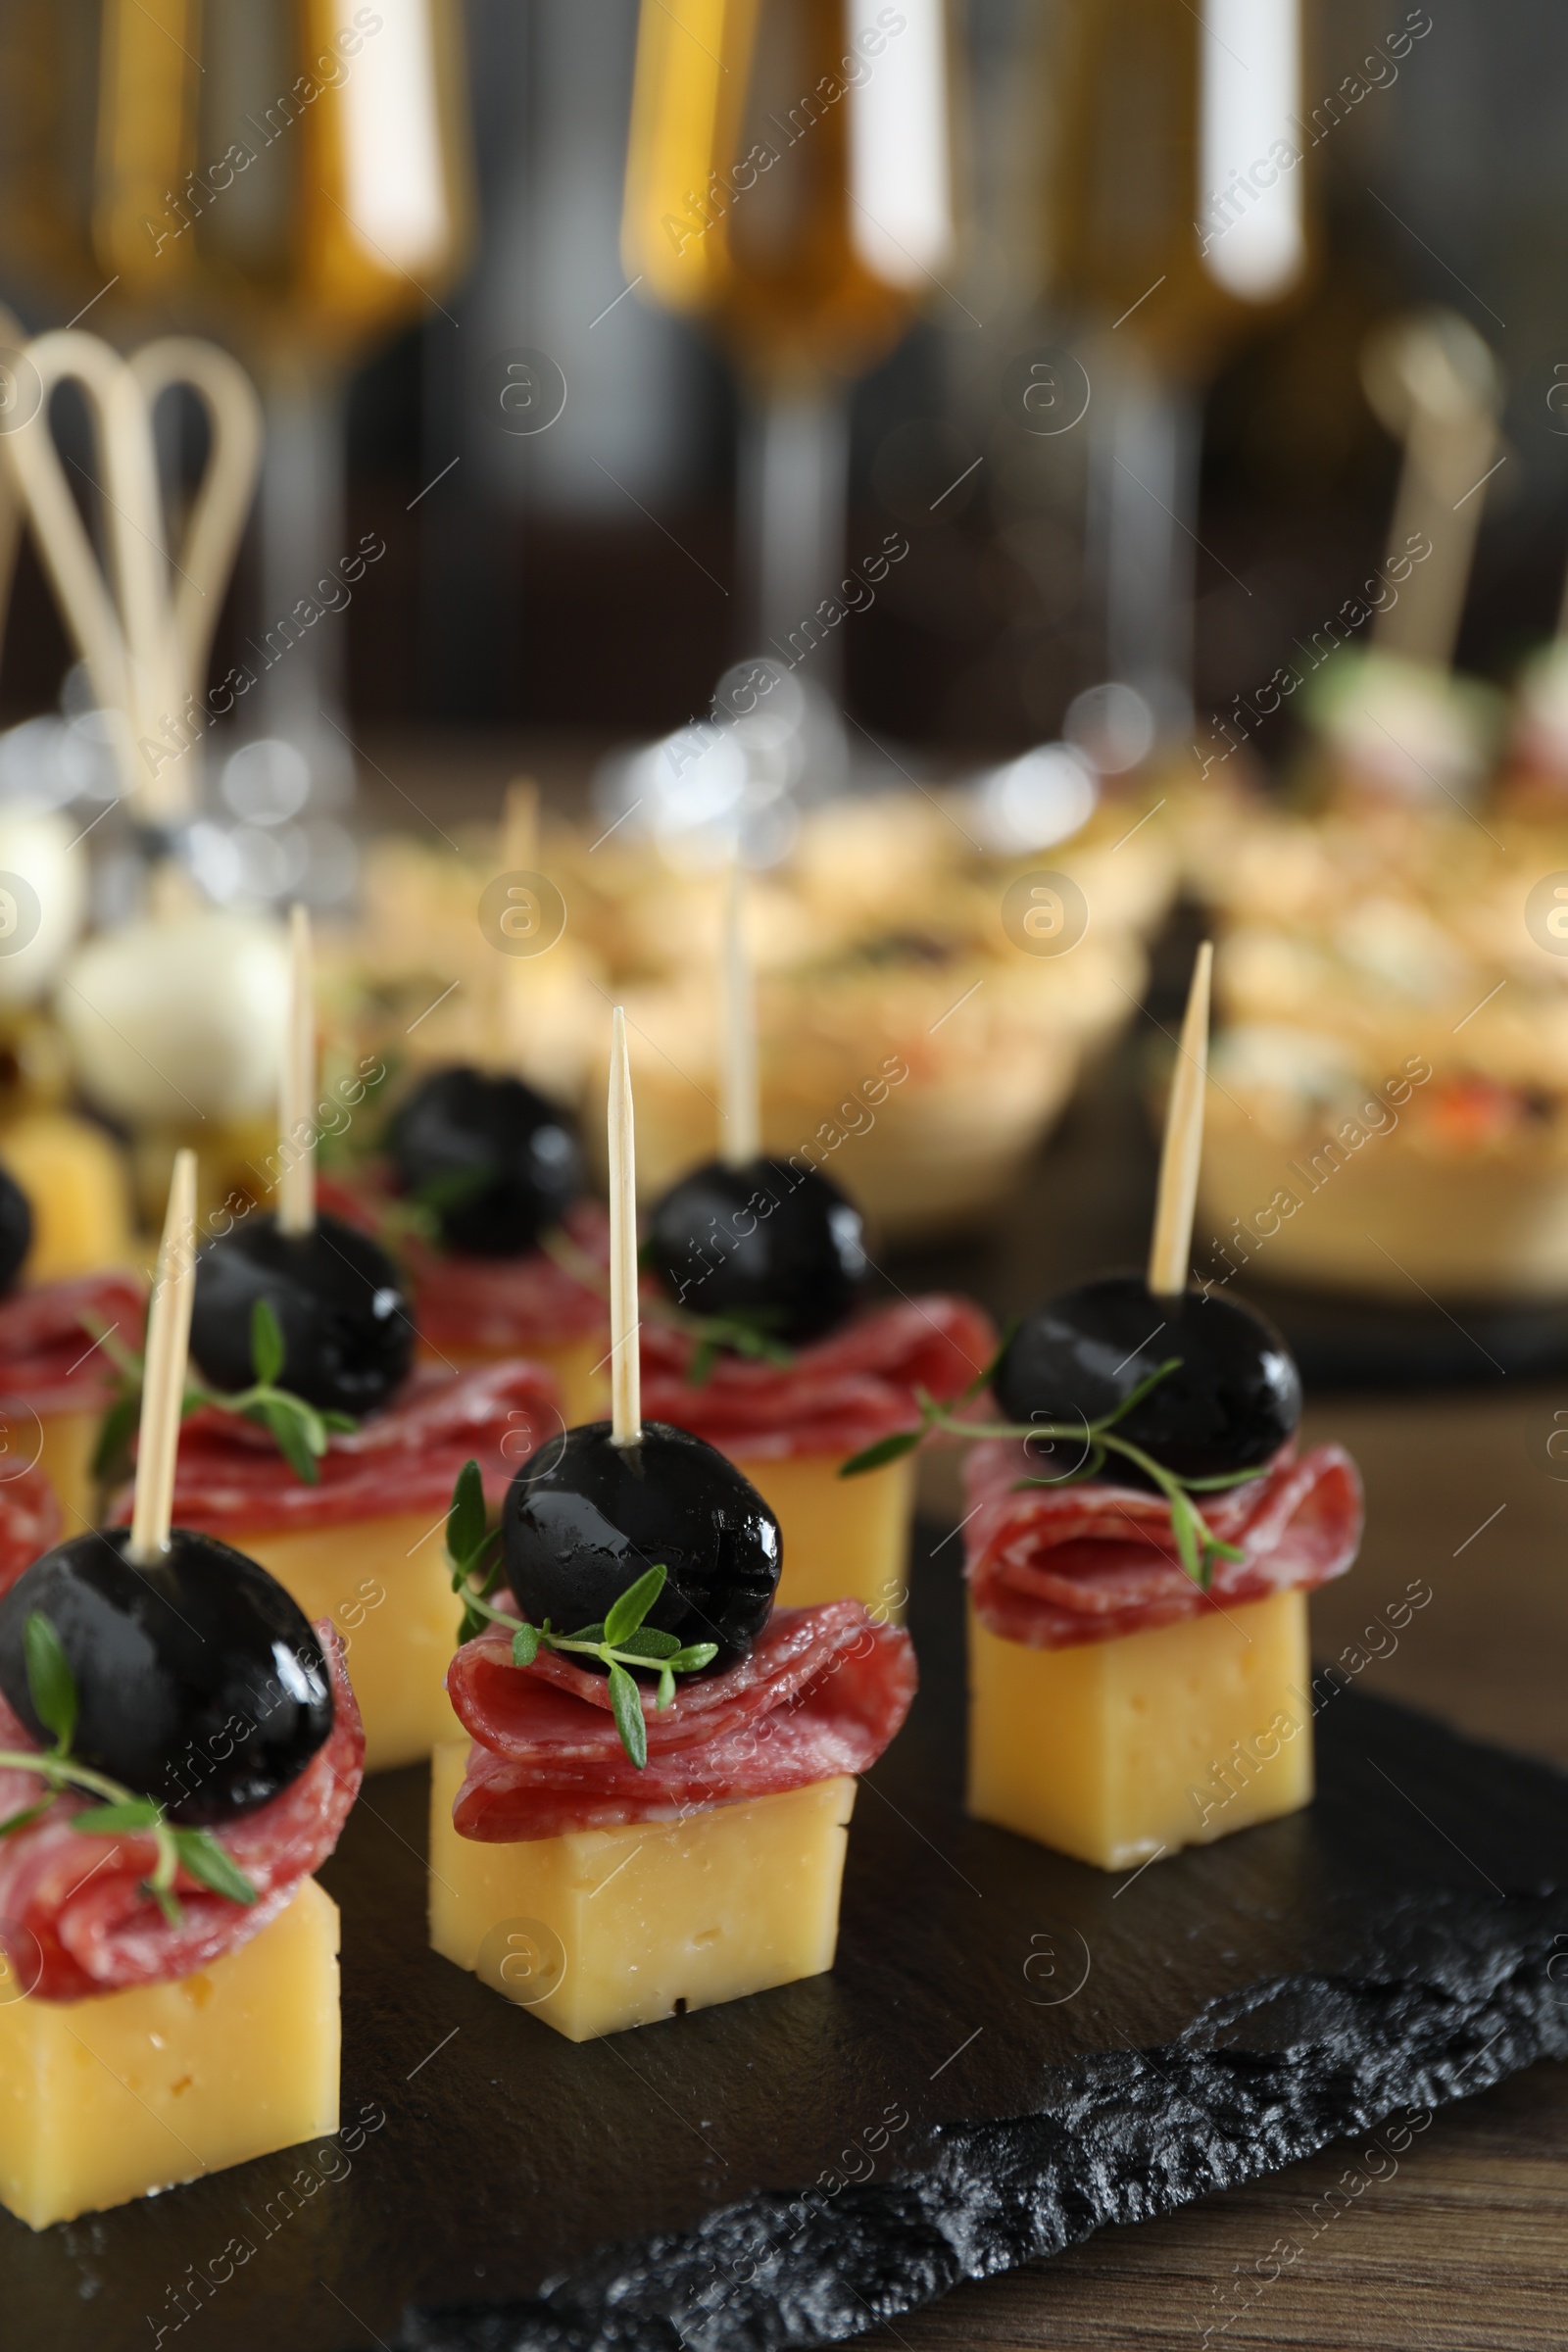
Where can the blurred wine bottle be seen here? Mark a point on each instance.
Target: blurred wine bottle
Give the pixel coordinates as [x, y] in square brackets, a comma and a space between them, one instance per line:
[293, 179]
[788, 182]
[1178, 225]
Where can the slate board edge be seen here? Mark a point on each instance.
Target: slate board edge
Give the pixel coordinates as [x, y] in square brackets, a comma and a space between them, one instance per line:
[768, 2272]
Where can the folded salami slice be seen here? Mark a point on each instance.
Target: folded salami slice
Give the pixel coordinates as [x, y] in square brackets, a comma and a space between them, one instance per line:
[837, 1394]
[511, 1305]
[1053, 1566]
[233, 1479]
[48, 1355]
[29, 1522]
[823, 1692]
[74, 1916]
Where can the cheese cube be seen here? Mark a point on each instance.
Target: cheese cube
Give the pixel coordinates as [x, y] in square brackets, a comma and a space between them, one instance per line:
[1117, 1751]
[844, 1538]
[384, 1583]
[78, 1189]
[603, 1929]
[70, 1441]
[128, 2092]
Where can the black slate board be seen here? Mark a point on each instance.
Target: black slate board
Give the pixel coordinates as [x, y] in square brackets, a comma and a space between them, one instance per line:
[1150, 2039]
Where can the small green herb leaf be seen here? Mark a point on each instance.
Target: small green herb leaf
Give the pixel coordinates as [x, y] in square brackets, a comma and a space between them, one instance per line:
[465, 1520]
[625, 1615]
[627, 1705]
[667, 1688]
[289, 1436]
[50, 1681]
[266, 1344]
[648, 1642]
[111, 1459]
[202, 1857]
[525, 1645]
[1184, 1527]
[20, 1821]
[886, 1449]
[116, 1820]
[692, 1660]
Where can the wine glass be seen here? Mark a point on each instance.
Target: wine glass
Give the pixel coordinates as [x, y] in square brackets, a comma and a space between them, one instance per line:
[1178, 225]
[295, 179]
[789, 184]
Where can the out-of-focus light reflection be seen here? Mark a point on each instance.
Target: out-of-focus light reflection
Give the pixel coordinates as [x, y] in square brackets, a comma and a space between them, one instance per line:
[1046, 796]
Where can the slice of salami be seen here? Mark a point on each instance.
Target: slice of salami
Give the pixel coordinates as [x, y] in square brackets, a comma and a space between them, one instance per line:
[823, 1692]
[48, 1359]
[29, 1522]
[1053, 1566]
[492, 1305]
[231, 1477]
[73, 1917]
[837, 1394]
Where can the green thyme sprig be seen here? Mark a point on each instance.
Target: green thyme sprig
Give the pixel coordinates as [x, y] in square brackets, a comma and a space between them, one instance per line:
[739, 1330]
[1196, 1545]
[623, 1642]
[299, 1430]
[57, 1705]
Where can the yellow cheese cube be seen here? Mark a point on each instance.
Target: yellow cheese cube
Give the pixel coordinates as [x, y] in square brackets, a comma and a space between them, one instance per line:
[844, 1538]
[78, 1189]
[68, 1443]
[1117, 1751]
[603, 1929]
[384, 1583]
[128, 2092]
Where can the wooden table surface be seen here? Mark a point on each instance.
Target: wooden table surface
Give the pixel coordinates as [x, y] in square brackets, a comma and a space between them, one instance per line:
[1466, 2245]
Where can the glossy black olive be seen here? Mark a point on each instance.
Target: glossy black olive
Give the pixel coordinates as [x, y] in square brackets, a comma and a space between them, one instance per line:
[496, 1162]
[15, 1228]
[1235, 1401]
[199, 1680]
[348, 1333]
[765, 1240]
[585, 1518]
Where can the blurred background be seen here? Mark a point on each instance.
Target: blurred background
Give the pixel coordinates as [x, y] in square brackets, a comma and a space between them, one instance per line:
[1027, 479]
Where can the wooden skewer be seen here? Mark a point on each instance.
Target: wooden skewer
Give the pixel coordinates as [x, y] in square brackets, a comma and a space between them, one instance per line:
[625, 1361]
[741, 1111]
[1434, 384]
[162, 1390]
[504, 1010]
[520, 828]
[1170, 1246]
[296, 1192]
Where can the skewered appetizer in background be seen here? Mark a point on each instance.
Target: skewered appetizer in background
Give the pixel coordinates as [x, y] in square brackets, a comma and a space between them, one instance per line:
[179, 1750]
[729, 1789]
[770, 1359]
[55, 1380]
[321, 1456]
[497, 1169]
[1391, 1095]
[1139, 1540]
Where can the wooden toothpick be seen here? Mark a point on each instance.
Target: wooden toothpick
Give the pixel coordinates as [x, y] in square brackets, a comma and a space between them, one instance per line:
[163, 1388]
[741, 1138]
[296, 1194]
[520, 828]
[625, 1362]
[1170, 1246]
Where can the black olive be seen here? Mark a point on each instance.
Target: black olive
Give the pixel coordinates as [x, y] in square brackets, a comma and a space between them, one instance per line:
[348, 1333]
[495, 1163]
[1231, 1406]
[585, 1518]
[15, 1228]
[766, 1240]
[200, 1681]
